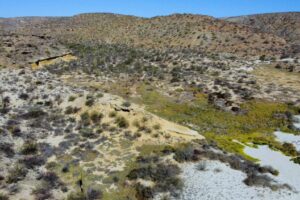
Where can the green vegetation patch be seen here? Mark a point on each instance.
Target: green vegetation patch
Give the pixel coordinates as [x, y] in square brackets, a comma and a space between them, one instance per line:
[255, 126]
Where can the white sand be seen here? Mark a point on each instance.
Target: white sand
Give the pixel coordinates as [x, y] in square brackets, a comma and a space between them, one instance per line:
[290, 138]
[220, 182]
[289, 172]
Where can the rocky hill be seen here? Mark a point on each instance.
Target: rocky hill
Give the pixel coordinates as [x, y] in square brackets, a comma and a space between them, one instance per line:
[284, 25]
[204, 33]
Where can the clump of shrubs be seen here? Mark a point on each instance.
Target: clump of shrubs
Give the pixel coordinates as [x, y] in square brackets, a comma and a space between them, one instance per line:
[90, 194]
[29, 147]
[165, 177]
[122, 122]
[34, 113]
[32, 161]
[51, 179]
[297, 160]
[71, 110]
[96, 117]
[42, 192]
[289, 149]
[3, 197]
[85, 118]
[185, 154]
[72, 98]
[87, 133]
[126, 104]
[112, 114]
[16, 174]
[89, 101]
[93, 194]
[7, 149]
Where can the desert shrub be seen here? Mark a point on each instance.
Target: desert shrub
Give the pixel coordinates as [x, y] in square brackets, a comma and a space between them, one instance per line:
[51, 179]
[71, 110]
[34, 113]
[170, 184]
[122, 122]
[112, 114]
[3, 197]
[126, 104]
[99, 95]
[87, 132]
[136, 123]
[258, 180]
[42, 192]
[262, 58]
[184, 154]
[144, 192]
[156, 173]
[15, 131]
[32, 161]
[7, 149]
[201, 166]
[76, 196]
[96, 117]
[89, 101]
[93, 194]
[24, 96]
[157, 126]
[71, 98]
[29, 147]
[297, 160]
[85, 118]
[144, 119]
[289, 149]
[16, 174]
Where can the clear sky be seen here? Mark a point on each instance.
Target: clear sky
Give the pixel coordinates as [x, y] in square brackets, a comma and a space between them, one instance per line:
[144, 8]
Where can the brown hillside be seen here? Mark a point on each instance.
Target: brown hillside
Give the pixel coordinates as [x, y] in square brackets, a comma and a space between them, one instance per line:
[199, 32]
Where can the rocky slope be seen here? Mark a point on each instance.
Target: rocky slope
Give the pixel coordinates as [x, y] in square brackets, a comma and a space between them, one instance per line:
[199, 32]
[284, 25]
[20, 50]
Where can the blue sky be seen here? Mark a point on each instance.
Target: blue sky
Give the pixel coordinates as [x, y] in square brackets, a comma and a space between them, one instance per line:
[145, 8]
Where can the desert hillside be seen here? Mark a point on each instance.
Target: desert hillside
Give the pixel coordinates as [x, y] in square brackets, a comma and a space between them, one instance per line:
[179, 107]
[199, 32]
[284, 25]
